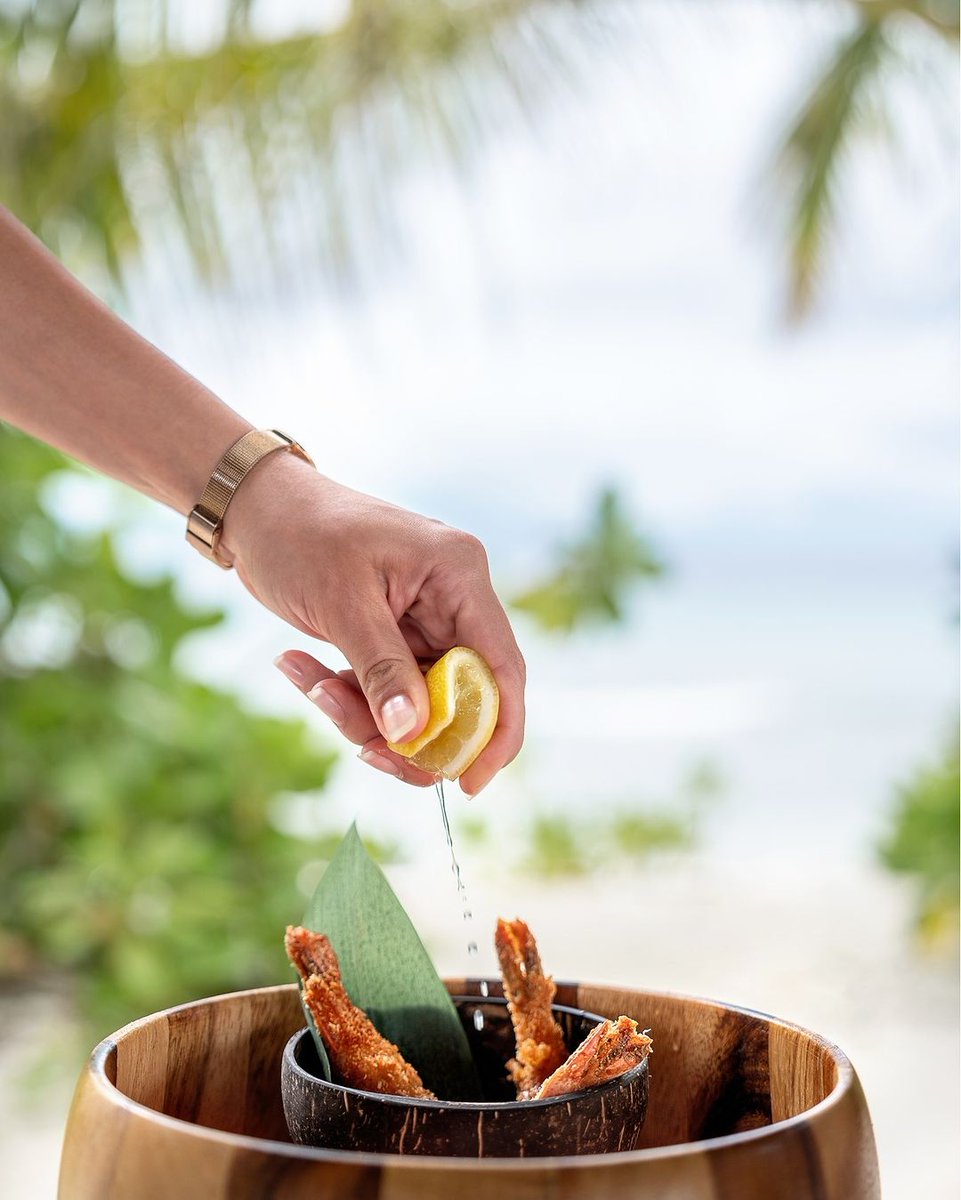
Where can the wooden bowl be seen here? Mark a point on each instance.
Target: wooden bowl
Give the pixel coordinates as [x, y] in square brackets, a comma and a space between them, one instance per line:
[596, 1121]
[187, 1104]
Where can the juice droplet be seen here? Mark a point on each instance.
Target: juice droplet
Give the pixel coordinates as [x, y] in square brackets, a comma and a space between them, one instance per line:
[471, 947]
[478, 1020]
[484, 989]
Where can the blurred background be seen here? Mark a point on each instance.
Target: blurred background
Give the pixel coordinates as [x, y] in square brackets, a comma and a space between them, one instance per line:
[659, 300]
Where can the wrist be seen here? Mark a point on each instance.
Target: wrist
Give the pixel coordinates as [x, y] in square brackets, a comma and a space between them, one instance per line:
[206, 436]
[205, 522]
[267, 498]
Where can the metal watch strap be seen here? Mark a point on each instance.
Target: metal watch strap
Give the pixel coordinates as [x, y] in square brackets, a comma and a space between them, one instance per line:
[206, 520]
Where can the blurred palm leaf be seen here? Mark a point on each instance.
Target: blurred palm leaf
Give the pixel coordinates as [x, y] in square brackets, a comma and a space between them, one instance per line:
[111, 136]
[845, 102]
[115, 137]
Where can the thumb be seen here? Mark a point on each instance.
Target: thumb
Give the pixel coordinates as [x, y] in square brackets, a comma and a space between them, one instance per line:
[386, 670]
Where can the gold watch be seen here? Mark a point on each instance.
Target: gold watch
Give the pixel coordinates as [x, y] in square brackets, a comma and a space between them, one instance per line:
[206, 521]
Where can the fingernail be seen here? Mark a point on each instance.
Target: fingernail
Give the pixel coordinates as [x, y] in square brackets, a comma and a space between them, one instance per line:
[327, 704]
[475, 792]
[399, 717]
[381, 762]
[287, 666]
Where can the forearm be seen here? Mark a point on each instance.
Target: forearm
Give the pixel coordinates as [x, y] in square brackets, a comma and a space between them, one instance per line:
[73, 374]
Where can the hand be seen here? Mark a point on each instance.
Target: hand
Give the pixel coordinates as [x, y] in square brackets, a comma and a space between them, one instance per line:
[391, 589]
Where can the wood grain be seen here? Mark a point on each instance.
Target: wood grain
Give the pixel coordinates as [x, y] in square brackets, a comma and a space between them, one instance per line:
[743, 1107]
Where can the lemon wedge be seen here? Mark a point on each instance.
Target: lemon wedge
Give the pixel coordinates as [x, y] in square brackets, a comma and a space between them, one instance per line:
[463, 714]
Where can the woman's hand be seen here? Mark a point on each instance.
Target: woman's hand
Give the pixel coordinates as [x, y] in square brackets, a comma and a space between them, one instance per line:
[391, 589]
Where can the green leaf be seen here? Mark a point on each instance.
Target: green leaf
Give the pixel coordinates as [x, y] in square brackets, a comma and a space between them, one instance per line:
[388, 973]
[322, 1056]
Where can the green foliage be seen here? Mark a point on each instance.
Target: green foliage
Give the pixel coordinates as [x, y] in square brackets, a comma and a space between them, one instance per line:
[387, 971]
[594, 573]
[639, 834]
[115, 134]
[924, 843]
[811, 156]
[557, 845]
[560, 845]
[846, 102]
[137, 848]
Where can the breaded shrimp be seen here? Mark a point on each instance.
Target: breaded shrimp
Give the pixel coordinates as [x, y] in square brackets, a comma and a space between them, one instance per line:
[311, 953]
[360, 1055]
[539, 1039]
[610, 1049]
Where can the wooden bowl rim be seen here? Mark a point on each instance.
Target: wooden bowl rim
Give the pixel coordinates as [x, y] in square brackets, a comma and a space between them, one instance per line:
[475, 1106]
[96, 1066]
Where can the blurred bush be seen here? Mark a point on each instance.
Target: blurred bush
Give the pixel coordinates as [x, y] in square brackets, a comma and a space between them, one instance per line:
[137, 850]
[924, 843]
[557, 844]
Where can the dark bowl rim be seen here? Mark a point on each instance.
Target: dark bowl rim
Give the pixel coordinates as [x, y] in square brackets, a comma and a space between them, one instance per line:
[290, 1063]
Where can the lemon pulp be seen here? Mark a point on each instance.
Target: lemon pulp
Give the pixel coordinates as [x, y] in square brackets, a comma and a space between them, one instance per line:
[463, 715]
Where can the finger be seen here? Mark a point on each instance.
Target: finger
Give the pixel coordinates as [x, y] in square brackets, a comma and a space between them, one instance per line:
[375, 754]
[386, 669]
[337, 696]
[499, 751]
[485, 627]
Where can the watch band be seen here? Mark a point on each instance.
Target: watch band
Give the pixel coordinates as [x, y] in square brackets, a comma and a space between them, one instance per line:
[206, 520]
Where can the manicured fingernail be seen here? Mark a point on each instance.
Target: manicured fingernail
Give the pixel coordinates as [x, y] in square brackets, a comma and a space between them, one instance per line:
[399, 717]
[327, 704]
[288, 666]
[381, 762]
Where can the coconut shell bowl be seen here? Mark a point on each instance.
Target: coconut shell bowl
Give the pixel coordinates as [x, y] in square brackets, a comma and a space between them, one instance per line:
[595, 1121]
[188, 1103]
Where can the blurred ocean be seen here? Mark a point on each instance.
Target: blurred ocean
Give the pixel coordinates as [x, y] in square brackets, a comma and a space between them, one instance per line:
[811, 702]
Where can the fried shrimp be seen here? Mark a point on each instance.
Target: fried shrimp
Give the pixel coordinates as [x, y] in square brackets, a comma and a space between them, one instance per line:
[360, 1055]
[540, 1047]
[311, 953]
[610, 1049]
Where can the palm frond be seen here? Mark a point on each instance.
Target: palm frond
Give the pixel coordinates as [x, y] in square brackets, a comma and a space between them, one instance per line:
[103, 145]
[941, 16]
[836, 109]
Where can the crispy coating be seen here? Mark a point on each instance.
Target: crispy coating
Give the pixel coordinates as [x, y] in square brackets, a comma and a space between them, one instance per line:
[610, 1049]
[539, 1039]
[311, 953]
[360, 1055]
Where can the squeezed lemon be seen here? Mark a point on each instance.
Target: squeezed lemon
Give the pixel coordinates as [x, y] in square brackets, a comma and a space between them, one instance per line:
[463, 715]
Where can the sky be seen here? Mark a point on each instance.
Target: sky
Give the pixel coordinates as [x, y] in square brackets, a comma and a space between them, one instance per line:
[603, 297]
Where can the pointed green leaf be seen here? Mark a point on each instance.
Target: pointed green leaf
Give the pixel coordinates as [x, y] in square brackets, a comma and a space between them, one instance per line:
[325, 1072]
[388, 973]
